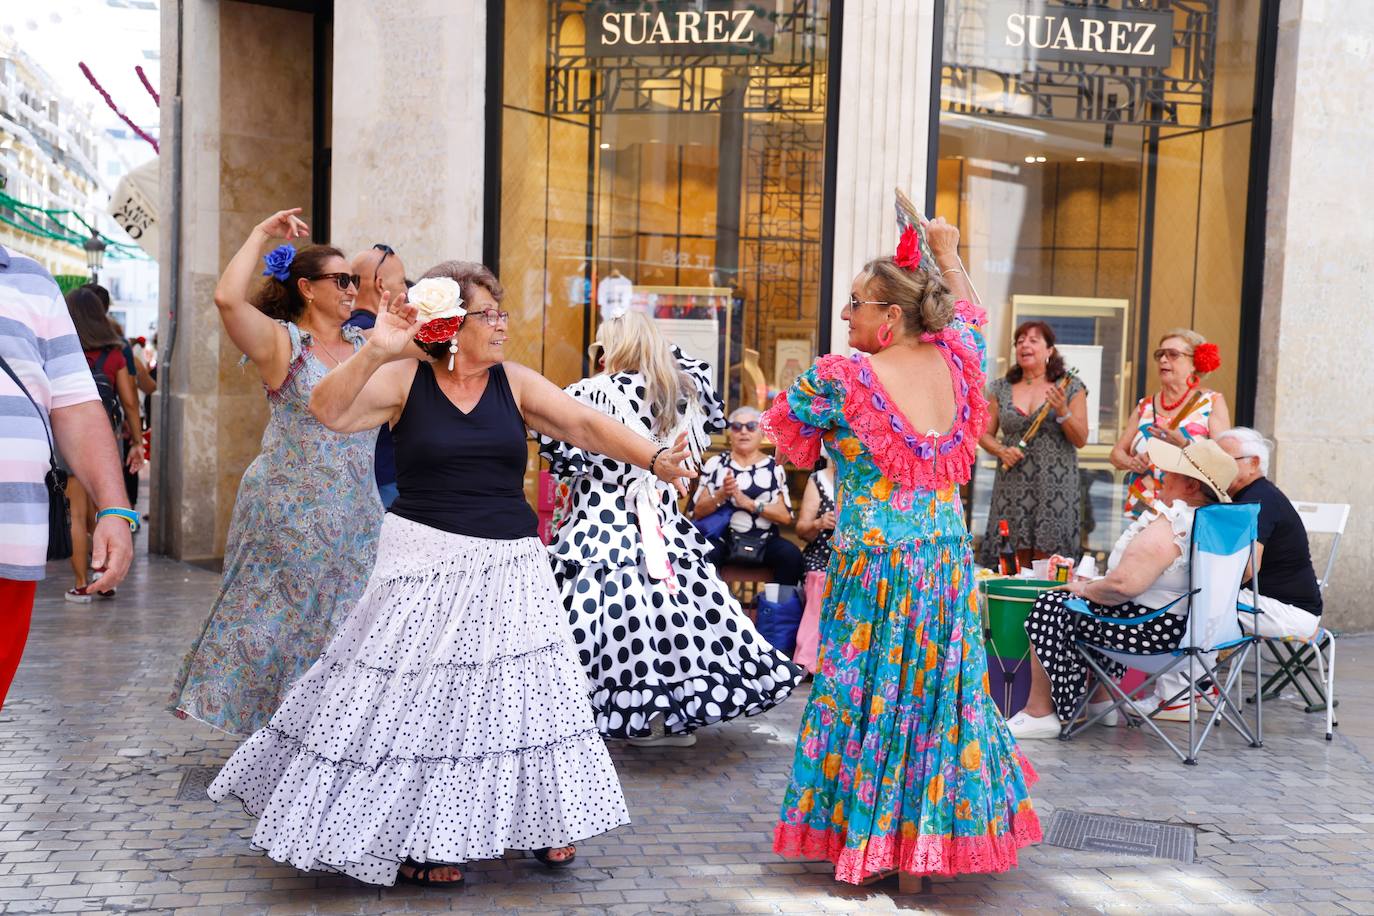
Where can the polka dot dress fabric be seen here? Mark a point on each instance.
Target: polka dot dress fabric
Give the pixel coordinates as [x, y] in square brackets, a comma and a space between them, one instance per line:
[681, 647]
[446, 722]
[1053, 629]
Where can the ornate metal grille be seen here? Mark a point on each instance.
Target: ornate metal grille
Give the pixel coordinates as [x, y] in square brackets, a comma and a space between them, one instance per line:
[781, 81]
[1177, 96]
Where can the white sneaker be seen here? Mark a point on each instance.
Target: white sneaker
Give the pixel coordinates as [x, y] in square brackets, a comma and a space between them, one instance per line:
[1110, 720]
[1024, 725]
[686, 740]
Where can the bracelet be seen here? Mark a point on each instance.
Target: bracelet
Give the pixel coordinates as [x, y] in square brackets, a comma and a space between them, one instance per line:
[953, 270]
[129, 515]
[654, 460]
[1062, 420]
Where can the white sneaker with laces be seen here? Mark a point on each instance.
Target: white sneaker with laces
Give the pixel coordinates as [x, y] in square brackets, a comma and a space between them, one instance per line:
[1024, 725]
[1111, 720]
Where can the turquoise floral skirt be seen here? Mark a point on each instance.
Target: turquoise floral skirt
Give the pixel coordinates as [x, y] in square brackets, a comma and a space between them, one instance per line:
[903, 762]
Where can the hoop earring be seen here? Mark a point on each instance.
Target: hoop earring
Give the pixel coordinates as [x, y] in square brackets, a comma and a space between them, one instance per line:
[452, 351]
[885, 337]
[1194, 380]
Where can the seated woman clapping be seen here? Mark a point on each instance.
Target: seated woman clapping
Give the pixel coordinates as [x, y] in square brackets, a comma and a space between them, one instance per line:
[1148, 569]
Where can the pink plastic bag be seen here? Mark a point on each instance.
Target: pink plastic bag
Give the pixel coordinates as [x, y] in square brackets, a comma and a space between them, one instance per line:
[809, 633]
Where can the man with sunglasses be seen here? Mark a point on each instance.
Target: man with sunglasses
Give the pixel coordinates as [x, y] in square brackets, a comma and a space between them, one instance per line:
[380, 270]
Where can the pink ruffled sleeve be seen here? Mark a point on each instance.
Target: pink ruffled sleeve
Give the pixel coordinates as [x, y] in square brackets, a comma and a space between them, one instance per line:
[802, 414]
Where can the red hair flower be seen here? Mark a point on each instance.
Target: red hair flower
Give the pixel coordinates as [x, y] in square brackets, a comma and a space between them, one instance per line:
[439, 329]
[1206, 358]
[909, 249]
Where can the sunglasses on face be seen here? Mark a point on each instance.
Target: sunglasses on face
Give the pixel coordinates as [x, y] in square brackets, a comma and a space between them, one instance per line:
[344, 280]
[736, 426]
[387, 251]
[855, 302]
[491, 316]
[1170, 353]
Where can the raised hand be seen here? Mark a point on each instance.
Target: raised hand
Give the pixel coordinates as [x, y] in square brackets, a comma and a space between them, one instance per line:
[397, 325]
[941, 236]
[285, 224]
[672, 466]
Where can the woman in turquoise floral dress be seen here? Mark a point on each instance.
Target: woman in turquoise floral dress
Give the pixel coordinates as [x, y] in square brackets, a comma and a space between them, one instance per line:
[303, 537]
[903, 763]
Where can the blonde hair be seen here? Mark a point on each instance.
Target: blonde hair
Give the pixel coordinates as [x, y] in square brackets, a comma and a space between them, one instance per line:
[633, 343]
[926, 303]
[1193, 338]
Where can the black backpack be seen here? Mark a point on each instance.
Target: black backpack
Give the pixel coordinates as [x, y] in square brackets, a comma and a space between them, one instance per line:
[109, 397]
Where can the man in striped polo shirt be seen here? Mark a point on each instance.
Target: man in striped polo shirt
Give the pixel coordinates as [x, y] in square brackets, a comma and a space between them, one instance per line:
[40, 346]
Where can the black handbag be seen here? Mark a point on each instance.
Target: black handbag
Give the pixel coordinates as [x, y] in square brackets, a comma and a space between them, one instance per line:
[746, 547]
[59, 509]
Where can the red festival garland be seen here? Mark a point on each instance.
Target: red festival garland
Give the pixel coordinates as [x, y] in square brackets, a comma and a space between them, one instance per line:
[115, 108]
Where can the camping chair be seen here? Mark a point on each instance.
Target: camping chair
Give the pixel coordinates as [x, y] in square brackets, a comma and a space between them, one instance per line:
[1295, 657]
[1223, 542]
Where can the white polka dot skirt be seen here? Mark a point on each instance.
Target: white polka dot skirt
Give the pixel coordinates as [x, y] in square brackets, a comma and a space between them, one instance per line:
[447, 721]
[1053, 629]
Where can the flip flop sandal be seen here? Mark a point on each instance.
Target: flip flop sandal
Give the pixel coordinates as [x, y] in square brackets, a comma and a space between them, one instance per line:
[543, 856]
[422, 874]
[81, 595]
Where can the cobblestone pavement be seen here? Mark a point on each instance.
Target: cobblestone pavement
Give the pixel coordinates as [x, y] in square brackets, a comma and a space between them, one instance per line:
[90, 768]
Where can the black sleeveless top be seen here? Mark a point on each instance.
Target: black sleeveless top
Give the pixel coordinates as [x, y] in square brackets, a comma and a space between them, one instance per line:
[463, 473]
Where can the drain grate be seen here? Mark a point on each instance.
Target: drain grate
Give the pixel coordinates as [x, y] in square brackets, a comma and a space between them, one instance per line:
[1120, 835]
[194, 782]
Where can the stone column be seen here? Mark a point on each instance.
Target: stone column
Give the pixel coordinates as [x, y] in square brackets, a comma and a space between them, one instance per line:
[1315, 371]
[245, 143]
[409, 127]
[885, 99]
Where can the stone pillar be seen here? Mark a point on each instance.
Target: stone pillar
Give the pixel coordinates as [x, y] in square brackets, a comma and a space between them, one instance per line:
[1315, 372]
[885, 98]
[409, 127]
[245, 144]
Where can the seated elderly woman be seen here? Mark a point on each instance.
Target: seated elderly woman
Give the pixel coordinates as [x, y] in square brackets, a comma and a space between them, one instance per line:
[1147, 570]
[751, 487]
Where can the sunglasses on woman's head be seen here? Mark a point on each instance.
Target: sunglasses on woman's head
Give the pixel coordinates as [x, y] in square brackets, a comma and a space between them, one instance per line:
[387, 251]
[736, 426]
[343, 279]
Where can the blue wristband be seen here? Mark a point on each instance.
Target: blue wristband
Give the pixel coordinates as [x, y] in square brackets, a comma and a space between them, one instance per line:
[129, 515]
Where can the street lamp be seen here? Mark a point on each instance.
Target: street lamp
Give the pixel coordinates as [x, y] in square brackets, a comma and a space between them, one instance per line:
[95, 255]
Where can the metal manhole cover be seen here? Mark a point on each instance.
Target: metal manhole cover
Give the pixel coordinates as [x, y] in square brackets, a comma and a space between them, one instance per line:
[1124, 836]
[194, 782]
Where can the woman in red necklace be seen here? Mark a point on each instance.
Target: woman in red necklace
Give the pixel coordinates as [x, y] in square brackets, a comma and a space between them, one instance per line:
[1182, 410]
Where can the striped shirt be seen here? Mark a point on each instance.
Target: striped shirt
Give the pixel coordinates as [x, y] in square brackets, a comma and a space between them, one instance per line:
[39, 343]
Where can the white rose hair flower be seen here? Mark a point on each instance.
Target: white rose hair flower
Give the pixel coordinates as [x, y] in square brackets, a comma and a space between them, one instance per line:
[439, 303]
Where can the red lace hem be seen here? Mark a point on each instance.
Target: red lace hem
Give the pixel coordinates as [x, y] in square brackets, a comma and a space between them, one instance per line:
[923, 854]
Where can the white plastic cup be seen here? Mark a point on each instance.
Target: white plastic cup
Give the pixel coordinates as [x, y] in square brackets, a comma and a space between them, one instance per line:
[770, 591]
[1087, 567]
[1041, 568]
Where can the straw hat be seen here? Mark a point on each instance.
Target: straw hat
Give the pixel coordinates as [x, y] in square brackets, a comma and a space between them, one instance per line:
[1201, 459]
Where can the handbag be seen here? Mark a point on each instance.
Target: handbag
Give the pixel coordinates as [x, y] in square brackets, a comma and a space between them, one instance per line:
[59, 509]
[778, 621]
[746, 547]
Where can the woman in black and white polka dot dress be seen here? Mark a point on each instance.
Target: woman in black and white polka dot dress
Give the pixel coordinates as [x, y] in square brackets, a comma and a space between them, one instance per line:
[667, 648]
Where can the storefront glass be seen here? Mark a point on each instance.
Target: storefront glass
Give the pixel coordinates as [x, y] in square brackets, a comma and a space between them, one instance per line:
[1097, 161]
[672, 153]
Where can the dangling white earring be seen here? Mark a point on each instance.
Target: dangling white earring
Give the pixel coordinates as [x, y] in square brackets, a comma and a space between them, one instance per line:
[452, 351]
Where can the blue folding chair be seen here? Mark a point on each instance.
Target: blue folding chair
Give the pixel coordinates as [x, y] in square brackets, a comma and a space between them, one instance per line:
[1223, 543]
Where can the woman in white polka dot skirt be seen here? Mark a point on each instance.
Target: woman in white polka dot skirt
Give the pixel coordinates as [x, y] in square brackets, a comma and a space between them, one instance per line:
[667, 648]
[448, 719]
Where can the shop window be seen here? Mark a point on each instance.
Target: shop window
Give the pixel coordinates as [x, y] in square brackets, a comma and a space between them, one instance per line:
[684, 173]
[1097, 160]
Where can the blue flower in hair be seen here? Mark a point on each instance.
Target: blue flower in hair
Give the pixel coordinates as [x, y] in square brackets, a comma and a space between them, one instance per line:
[278, 262]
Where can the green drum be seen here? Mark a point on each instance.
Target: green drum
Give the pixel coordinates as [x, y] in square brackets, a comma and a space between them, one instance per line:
[1006, 605]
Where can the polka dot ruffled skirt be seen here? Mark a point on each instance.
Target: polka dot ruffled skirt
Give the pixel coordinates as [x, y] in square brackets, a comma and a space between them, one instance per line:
[447, 721]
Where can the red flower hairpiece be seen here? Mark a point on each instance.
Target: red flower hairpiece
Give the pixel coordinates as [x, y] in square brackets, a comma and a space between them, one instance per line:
[908, 254]
[1206, 358]
[439, 329]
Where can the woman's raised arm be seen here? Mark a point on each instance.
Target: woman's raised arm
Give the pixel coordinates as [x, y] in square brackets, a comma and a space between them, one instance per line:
[260, 338]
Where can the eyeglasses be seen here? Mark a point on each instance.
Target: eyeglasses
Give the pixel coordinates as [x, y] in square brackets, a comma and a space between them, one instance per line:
[492, 316]
[1170, 353]
[387, 251]
[736, 426]
[855, 302]
[344, 280]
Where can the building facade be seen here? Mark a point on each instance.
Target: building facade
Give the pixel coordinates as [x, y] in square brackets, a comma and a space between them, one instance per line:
[1116, 169]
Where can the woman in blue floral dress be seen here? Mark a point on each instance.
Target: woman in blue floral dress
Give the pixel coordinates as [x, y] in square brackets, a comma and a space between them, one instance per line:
[303, 537]
[903, 763]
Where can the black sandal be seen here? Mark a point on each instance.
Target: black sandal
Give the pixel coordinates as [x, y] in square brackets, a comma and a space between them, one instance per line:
[543, 856]
[422, 872]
